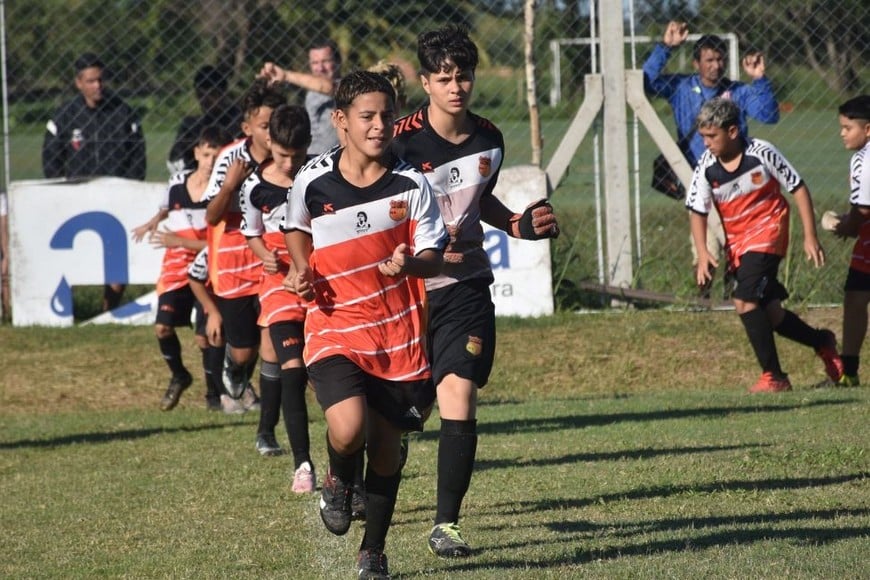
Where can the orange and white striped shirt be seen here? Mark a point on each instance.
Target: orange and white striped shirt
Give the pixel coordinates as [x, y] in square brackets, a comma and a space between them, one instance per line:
[378, 322]
[186, 219]
[749, 199]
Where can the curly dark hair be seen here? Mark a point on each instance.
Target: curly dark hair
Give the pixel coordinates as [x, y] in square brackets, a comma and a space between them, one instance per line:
[262, 94]
[359, 83]
[439, 50]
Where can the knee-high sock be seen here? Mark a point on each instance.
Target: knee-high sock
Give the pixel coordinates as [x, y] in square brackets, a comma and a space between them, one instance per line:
[270, 396]
[293, 384]
[170, 348]
[793, 328]
[212, 366]
[457, 447]
[382, 493]
[342, 466]
[760, 335]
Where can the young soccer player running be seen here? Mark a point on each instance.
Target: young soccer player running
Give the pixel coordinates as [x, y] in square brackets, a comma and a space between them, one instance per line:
[183, 236]
[363, 227]
[283, 378]
[461, 155]
[742, 178]
[854, 117]
[234, 270]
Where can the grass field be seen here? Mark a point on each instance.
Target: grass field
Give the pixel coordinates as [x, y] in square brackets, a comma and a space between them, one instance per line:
[613, 445]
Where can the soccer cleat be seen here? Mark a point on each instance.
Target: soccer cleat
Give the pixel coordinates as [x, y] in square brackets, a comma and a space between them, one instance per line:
[358, 504]
[445, 541]
[213, 403]
[234, 377]
[177, 385]
[768, 383]
[267, 446]
[372, 564]
[304, 480]
[335, 504]
[231, 406]
[828, 353]
[844, 382]
[250, 400]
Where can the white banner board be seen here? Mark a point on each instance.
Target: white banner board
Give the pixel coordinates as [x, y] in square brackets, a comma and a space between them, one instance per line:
[64, 234]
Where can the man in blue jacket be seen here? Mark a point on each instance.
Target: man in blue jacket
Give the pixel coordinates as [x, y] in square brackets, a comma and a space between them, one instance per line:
[687, 92]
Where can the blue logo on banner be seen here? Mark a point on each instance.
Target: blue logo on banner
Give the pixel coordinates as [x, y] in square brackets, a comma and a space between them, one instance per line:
[115, 259]
[495, 243]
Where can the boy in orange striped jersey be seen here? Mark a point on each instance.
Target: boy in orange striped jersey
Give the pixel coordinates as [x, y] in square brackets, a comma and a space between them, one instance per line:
[363, 228]
[234, 270]
[184, 235]
[742, 178]
[283, 378]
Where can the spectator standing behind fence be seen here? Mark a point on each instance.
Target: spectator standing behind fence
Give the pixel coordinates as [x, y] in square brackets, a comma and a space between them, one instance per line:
[217, 110]
[742, 177]
[96, 133]
[854, 117]
[324, 61]
[687, 92]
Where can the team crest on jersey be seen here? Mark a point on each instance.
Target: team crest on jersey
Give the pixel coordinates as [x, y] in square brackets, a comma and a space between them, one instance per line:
[757, 178]
[474, 346]
[398, 209]
[484, 165]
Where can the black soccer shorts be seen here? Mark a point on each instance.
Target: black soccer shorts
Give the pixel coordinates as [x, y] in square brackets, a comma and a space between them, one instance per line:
[857, 281]
[756, 279]
[405, 404]
[240, 320]
[174, 307]
[462, 331]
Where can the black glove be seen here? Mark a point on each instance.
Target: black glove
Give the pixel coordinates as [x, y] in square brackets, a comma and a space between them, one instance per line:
[537, 222]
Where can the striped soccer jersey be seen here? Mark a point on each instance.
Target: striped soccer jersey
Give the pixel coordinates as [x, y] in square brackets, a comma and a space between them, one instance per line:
[859, 195]
[749, 199]
[460, 174]
[186, 219]
[233, 268]
[264, 209]
[377, 322]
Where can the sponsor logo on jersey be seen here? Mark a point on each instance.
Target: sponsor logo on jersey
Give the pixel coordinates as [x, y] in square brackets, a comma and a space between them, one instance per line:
[757, 178]
[328, 208]
[474, 345]
[455, 178]
[484, 165]
[426, 167]
[362, 222]
[398, 209]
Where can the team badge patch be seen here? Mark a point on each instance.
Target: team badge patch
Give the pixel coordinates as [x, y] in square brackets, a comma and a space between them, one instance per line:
[757, 178]
[474, 345]
[398, 209]
[484, 166]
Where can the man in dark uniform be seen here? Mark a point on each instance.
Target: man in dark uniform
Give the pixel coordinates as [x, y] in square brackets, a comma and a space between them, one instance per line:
[96, 133]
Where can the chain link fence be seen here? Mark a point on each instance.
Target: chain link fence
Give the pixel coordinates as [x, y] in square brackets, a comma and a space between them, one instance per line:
[816, 54]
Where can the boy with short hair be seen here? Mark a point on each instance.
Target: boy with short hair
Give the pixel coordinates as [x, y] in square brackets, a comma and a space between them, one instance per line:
[363, 227]
[234, 270]
[461, 155]
[742, 179]
[283, 378]
[854, 116]
[184, 235]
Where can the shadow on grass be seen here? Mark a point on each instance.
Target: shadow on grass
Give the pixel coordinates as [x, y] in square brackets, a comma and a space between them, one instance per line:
[518, 507]
[755, 528]
[578, 421]
[483, 465]
[110, 436]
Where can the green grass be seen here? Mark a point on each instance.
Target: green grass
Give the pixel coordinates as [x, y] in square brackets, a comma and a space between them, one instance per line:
[623, 445]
